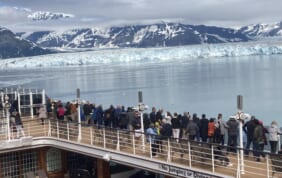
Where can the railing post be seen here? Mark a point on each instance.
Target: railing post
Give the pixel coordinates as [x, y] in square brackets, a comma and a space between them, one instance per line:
[28, 129]
[49, 130]
[8, 124]
[19, 102]
[150, 146]
[44, 126]
[168, 151]
[31, 104]
[43, 97]
[91, 135]
[58, 133]
[78, 114]
[118, 146]
[68, 130]
[279, 141]
[104, 137]
[133, 143]
[189, 154]
[238, 165]
[267, 166]
[212, 153]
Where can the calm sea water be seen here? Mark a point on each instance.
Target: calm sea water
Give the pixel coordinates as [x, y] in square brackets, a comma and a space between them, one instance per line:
[199, 86]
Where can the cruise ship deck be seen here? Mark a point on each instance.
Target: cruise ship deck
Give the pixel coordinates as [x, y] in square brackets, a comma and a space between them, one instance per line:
[176, 159]
[120, 146]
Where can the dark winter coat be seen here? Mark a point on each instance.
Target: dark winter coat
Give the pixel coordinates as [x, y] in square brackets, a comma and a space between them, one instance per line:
[192, 128]
[175, 123]
[184, 122]
[136, 123]
[232, 125]
[166, 130]
[249, 128]
[204, 122]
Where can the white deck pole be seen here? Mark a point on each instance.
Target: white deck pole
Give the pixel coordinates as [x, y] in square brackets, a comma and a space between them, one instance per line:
[19, 102]
[43, 97]
[141, 108]
[78, 113]
[240, 118]
[31, 104]
[7, 107]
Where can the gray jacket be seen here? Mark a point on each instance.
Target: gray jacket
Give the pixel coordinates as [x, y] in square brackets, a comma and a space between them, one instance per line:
[192, 128]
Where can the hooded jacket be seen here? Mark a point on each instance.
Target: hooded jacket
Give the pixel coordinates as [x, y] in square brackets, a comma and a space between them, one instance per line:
[273, 132]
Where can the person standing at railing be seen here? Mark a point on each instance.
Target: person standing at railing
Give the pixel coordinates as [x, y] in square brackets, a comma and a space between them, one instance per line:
[273, 131]
[166, 132]
[68, 111]
[60, 112]
[232, 125]
[157, 129]
[204, 124]
[99, 114]
[116, 116]
[73, 111]
[153, 115]
[184, 122]
[197, 121]
[192, 129]
[136, 125]
[19, 125]
[87, 112]
[175, 122]
[221, 129]
[49, 107]
[258, 140]
[42, 114]
[249, 130]
[211, 130]
[151, 135]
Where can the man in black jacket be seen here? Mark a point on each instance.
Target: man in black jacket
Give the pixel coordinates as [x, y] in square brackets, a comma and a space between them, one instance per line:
[204, 122]
[249, 130]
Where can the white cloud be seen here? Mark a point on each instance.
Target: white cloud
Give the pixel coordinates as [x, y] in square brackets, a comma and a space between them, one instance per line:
[209, 12]
[9, 15]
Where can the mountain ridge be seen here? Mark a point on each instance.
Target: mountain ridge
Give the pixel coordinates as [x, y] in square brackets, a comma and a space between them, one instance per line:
[13, 46]
[155, 35]
[134, 36]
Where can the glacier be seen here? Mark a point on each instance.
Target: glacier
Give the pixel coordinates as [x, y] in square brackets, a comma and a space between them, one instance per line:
[144, 55]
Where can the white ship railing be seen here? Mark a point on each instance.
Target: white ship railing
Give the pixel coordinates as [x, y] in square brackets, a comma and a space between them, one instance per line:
[192, 155]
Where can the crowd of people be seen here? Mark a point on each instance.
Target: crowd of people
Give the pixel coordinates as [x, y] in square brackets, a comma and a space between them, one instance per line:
[161, 125]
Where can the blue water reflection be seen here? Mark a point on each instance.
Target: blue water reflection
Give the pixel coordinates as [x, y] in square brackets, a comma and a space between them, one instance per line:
[199, 86]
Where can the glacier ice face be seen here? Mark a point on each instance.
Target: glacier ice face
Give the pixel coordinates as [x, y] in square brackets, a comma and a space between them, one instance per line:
[148, 55]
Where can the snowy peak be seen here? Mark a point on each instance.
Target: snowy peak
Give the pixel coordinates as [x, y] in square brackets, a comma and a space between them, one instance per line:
[13, 46]
[155, 35]
[43, 15]
[262, 30]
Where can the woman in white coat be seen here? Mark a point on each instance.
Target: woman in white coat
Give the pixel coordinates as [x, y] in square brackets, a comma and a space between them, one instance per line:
[42, 113]
[274, 132]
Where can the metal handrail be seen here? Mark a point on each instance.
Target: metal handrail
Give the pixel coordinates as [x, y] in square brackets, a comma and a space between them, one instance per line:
[181, 152]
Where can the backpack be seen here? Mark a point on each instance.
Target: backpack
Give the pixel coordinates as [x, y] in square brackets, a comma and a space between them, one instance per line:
[211, 129]
[61, 111]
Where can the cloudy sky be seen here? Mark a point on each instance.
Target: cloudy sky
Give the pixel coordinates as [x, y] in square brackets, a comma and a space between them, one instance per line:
[96, 13]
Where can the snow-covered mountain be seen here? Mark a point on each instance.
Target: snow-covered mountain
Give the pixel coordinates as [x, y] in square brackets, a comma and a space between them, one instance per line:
[262, 30]
[164, 34]
[44, 15]
[136, 36]
[13, 46]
